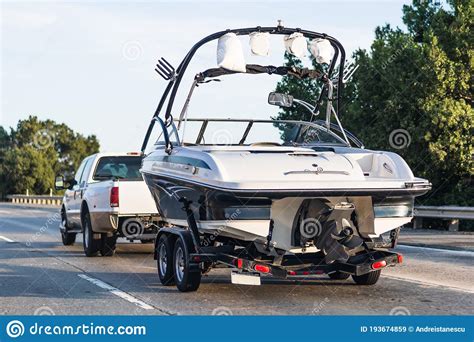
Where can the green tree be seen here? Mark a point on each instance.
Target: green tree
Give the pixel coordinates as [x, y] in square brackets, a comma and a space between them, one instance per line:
[5, 142]
[36, 151]
[420, 81]
[304, 89]
[26, 168]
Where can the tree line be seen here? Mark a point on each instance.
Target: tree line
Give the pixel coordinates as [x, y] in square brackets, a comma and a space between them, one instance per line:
[412, 94]
[35, 151]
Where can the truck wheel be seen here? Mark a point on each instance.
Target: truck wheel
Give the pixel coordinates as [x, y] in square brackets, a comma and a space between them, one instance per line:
[367, 279]
[68, 238]
[91, 245]
[186, 279]
[338, 275]
[164, 259]
[109, 243]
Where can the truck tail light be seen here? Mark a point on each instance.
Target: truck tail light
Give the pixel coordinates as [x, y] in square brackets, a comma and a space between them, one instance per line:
[114, 196]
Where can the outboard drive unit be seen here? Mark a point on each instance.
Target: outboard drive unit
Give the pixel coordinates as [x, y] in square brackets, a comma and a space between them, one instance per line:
[332, 227]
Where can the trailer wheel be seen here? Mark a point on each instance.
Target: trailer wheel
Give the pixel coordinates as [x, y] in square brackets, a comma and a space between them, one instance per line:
[91, 244]
[367, 279]
[186, 279]
[339, 275]
[164, 259]
[108, 244]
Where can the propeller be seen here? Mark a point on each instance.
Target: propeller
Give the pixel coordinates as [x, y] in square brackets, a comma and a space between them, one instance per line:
[337, 243]
[346, 236]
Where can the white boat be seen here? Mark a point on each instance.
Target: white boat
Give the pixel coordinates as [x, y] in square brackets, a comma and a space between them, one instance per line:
[313, 192]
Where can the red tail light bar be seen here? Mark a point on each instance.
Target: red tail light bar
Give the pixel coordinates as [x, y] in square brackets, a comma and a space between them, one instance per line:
[379, 264]
[114, 196]
[262, 268]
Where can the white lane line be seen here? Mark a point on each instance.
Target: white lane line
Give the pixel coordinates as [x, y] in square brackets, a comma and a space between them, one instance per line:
[148, 267]
[431, 283]
[6, 239]
[439, 250]
[117, 292]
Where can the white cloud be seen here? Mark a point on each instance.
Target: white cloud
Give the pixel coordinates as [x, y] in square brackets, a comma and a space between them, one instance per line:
[64, 60]
[25, 19]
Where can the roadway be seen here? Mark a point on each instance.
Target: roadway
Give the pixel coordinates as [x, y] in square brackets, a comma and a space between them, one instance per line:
[38, 275]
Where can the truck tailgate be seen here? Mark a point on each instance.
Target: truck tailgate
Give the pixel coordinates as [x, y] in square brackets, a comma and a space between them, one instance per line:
[135, 198]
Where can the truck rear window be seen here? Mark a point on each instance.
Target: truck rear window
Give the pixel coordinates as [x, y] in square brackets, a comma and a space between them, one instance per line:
[123, 167]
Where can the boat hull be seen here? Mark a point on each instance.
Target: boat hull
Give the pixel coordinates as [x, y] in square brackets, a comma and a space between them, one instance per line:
[246, 215]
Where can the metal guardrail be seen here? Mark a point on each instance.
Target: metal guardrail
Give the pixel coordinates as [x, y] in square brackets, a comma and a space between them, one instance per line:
[446, 212]
[36, 199]
[450, 213]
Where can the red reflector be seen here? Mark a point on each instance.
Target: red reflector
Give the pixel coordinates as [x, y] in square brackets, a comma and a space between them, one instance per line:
[400, 258]
[291, 273]
[306, 272]
[240, 263]
[262, 268]
[114, 196]
[197, 258]
[379, 264]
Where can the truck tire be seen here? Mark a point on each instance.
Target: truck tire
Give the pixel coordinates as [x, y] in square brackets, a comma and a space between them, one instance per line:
[367, 279]
[67, 238]
[164, 259]
[108, 244]
[338, 275]
[91, 245]
[187, 280]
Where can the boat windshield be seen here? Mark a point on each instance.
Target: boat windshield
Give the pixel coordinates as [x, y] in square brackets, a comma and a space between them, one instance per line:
[256, 132]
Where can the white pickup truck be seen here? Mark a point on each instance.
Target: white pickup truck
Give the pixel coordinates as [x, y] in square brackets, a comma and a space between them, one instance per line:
[107, 199]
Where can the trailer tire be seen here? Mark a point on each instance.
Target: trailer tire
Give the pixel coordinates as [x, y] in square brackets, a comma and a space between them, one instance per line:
[339, 275]
[367, 279]
[187, 279]
[108, 244]
[91, 245]
[164, 259]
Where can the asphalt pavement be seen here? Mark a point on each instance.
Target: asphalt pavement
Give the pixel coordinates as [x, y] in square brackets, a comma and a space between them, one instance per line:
[38, 275]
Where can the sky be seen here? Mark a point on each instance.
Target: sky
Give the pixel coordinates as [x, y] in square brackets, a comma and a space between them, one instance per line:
[90, 64]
